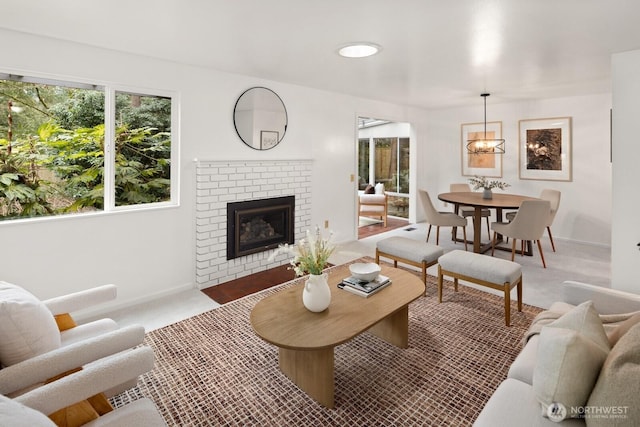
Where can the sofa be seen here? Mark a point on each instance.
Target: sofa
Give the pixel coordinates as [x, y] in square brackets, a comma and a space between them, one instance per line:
[566, 359]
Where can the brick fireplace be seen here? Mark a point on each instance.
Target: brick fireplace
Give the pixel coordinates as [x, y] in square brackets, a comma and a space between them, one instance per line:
[259, 225]
[220, 183]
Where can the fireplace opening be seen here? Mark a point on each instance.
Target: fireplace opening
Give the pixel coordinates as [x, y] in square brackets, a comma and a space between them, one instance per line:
[259, 225]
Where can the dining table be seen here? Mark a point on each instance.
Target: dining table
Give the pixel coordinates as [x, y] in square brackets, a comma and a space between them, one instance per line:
[498, 201]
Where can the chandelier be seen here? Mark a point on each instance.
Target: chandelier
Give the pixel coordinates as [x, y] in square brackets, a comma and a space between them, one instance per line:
[485, 145]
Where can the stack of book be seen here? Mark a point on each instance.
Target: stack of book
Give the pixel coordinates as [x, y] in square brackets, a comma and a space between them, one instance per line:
[364, 288]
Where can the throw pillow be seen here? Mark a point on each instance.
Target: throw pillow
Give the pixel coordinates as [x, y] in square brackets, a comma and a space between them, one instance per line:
[27, 327]
[369, 189]
[571, 351]
[614, 399]
[623, 328]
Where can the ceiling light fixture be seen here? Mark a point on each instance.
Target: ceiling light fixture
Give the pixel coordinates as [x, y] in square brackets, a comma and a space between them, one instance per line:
[359, 50]
[485, 145]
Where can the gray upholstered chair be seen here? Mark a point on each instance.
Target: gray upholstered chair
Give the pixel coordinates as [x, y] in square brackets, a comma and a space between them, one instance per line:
[441, 219]
[468, 211]
[527, 225]
[553, 196]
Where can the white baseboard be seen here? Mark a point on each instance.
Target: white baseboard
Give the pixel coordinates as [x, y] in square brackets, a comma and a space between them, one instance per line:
[104, 309]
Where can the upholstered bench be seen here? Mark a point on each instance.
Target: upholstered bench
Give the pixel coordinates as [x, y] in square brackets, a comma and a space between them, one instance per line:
[483, 270]
[409, 251]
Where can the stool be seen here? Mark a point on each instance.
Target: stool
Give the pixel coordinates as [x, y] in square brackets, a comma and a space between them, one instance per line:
[483, 270]
[409, 251]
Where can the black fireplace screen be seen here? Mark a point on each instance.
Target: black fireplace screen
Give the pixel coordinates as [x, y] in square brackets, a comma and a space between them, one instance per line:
[259, 225]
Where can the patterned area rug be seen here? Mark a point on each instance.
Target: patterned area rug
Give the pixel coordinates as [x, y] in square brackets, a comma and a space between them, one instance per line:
[212, 370]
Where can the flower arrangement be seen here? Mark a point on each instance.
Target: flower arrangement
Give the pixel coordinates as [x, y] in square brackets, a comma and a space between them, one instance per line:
[482, 182]
[310, 255]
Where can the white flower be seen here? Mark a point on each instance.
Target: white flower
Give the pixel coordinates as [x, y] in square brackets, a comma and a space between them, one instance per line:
[310, 255]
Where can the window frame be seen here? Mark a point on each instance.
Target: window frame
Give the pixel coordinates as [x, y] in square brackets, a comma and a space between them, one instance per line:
[110, 89]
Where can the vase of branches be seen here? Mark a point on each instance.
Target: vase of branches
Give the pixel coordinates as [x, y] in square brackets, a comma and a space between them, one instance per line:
[487, 185]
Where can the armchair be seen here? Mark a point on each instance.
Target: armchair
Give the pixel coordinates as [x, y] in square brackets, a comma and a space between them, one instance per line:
[374, 205]
[34, 371]
[68, 375]
[98, 377]
[30, 327]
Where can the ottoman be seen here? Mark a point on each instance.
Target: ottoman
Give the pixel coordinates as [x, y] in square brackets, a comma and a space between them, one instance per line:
[409, 251]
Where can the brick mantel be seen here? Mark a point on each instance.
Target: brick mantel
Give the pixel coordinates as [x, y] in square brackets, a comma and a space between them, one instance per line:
[220, 182]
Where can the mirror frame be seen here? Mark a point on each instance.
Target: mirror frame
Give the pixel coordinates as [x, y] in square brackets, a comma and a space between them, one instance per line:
[265, 139]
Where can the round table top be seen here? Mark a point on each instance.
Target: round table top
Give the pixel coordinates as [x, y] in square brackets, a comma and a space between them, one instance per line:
[499, 200]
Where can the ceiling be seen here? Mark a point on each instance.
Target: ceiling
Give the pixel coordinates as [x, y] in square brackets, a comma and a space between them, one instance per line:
[435, 53]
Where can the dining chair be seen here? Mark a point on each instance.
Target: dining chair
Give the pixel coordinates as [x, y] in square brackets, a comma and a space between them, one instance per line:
[527, 225]
[441, 219]
[553, 196]
[469, 211]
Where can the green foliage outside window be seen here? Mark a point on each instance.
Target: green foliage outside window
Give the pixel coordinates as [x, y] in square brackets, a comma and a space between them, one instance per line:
[53, 159]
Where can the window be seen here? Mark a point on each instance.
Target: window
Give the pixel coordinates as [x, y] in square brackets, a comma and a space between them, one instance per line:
[53, 145]
[392, 164]
[363, 163]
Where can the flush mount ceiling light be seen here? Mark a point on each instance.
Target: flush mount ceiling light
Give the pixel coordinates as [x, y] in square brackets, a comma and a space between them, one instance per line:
[485, 145]
[359, 50]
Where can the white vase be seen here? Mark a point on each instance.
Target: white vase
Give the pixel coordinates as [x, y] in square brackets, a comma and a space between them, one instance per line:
[487, 194]
[316, 295]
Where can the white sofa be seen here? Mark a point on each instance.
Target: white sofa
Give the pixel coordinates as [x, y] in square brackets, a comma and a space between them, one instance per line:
[515, 403]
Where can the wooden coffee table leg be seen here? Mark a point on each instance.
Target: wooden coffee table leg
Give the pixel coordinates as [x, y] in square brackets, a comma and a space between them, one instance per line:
[394, 328]
[311, 370]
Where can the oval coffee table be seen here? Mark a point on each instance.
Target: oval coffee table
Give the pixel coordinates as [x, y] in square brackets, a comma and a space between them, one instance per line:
[306, 340]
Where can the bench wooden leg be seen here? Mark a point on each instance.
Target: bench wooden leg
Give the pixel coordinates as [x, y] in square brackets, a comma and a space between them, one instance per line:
[507, 303]
[377, 256]
[519, 290]
[455, 284]
[424, 276]
[439, 284]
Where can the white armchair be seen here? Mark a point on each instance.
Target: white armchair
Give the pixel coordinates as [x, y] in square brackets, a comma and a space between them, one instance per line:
[101, 376]
[374, 205]
[30, 327]
[68, 375]
[34, 371]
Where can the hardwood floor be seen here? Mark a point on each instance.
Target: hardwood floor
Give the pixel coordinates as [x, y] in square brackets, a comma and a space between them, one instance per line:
[373, 229]
[244, 286]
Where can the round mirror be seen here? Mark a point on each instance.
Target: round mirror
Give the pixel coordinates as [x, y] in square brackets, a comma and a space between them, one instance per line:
[260, 118]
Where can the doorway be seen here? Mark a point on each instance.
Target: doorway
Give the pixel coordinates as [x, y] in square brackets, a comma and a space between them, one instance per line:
[383, 155]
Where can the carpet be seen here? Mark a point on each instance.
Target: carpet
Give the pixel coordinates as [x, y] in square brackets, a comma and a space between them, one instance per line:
[212, 370]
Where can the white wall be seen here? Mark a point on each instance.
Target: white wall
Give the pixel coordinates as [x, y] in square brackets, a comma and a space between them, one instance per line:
[585, 208]
[625, 255]
[152, 252]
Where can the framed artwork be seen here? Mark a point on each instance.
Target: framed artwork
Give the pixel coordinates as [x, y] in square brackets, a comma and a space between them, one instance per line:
[268, 139]
[489, 165]
[545, 149]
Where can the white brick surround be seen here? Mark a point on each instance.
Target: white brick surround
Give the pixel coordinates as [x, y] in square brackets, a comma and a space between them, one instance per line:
[220, 182]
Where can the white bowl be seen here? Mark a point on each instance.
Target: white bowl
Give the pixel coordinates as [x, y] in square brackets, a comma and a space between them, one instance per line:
[365, 270]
